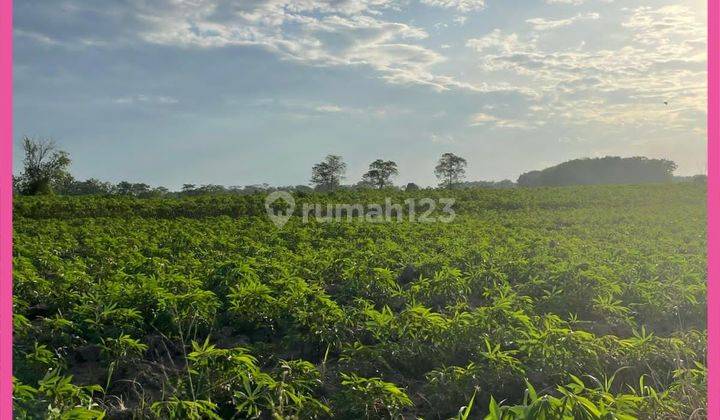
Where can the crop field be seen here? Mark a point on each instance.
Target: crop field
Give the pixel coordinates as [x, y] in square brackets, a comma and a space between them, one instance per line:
[546, 303]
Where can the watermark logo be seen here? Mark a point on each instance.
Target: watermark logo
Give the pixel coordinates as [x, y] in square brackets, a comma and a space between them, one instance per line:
[280, 207]
[277, 216]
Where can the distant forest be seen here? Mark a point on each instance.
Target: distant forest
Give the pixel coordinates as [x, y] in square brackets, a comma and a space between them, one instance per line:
[46, 171]
[606, 170]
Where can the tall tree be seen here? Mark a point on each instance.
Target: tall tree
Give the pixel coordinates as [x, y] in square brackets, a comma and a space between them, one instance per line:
[411, 186]
[135, 189]
[44, 166]
[450, 170]
[380, 172]
[327, 174]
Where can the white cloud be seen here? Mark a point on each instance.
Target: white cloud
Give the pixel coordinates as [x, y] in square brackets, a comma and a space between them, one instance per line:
[35, 36]
[663, 56]
[623, 87]
[341, 36]
[329, 108]
[481, 119]
[542, 24]
[496, 41]
[459, 5]
[146, 99]
[311, 109]
[311, 32]
[442, 138]
[487, 120]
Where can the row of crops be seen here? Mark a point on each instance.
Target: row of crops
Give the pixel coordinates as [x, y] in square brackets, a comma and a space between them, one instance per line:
[584, 302]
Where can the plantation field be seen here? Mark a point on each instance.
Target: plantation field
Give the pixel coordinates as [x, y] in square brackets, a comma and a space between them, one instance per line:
[574, 302]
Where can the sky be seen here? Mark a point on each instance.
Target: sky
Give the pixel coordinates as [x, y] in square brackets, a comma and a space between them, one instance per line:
[169, 92]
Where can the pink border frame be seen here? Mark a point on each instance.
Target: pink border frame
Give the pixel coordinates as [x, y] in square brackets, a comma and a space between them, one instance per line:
[6, 142]
[713, 207]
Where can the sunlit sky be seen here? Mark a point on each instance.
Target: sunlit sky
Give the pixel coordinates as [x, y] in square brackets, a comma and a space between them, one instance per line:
[210, 91]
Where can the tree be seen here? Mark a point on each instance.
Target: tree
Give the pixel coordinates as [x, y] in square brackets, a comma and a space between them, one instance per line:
[189, 189]
[90, 186]
[450, 170]
[411, 186]
[137, 189]
[380, 172]
[16, 185]
[327, 174]
[364, 184]
[529, 179]
[43, 167]
[700, 179]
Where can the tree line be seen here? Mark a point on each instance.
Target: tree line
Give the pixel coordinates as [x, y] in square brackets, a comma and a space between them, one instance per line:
[328, 174]
[46, 171]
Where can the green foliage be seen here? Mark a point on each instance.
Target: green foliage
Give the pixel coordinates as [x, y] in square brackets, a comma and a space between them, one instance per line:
[199, 307]
[371, 398]
[327, 174]
[380, 173]
[179, 409]
[606, 170]
[44, 167]
[573, 401]
[55, 397]
[450, 170]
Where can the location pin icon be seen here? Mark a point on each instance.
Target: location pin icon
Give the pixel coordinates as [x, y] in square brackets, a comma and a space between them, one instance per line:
[278, 217]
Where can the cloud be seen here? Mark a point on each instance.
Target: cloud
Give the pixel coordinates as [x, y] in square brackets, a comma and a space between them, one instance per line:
[311, 32]
[146, 99]
[496, 41]
[333, 40]
[329, 108]
[459, 5]
[622, 87]
[299, 108]
[663, 59]
[542, 24]
[487, 120]
[35, 36]
[571, 2]
[460, 20]
[674, 30]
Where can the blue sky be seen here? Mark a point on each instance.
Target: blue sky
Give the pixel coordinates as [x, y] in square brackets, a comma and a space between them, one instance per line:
[235, 93]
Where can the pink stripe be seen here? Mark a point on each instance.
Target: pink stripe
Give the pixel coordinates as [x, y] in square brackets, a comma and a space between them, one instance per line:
[6, 142]
[713, 203]
[6, 209]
